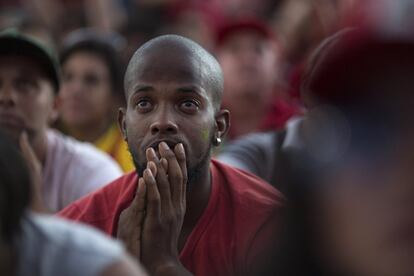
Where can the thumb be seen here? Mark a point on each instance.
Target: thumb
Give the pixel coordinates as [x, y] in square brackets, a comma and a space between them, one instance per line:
[28, 153]
[35, 169]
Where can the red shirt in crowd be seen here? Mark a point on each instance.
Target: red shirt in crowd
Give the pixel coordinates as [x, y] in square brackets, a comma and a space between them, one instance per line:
[238, 224]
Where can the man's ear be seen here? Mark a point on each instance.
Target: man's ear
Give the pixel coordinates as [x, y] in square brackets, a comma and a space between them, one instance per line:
[121, 122]
[222, 123]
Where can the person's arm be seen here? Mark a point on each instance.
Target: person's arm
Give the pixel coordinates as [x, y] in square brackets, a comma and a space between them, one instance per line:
[253, 153]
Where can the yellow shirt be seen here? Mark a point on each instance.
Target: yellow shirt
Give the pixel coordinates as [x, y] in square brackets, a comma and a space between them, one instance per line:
[113, 144]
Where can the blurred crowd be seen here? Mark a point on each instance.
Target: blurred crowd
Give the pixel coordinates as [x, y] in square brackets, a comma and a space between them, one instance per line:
[312, 100]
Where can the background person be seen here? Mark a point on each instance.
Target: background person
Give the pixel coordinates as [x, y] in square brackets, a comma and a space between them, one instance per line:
[351, 195]
[33, 244]
[91, 92]
[29, 82]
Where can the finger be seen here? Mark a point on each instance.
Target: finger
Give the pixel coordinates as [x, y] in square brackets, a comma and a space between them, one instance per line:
[164, 164]
[151, 165]
[153, 195]
[35, 169]
[152, 156]
[181, 159]
[28, 153]
[161, 179]
[174, 174]
[140, 199]
[138, 202]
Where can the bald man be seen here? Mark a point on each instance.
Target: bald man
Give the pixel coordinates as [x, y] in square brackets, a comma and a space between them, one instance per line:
[181, 212]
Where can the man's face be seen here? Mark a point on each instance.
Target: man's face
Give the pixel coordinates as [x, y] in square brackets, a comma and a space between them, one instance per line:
[168, 100]
[249, 65]
[86, 97]
[26, 97]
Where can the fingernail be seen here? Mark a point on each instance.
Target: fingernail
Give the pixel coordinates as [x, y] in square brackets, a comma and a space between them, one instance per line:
[151, 165]
[141, 182]
[151, 151]
[181, 148]
[164, 146]
[148, 173]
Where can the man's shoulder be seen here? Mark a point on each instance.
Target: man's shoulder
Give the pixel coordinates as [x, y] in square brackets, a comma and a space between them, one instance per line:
[249, 194]
[100, 207]
[246, 185]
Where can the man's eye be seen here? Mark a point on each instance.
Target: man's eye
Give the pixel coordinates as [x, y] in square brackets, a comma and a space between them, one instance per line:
[189, 106]
[144, 105]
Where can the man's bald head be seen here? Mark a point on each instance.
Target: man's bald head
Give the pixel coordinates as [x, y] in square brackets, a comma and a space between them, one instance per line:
[173, 49]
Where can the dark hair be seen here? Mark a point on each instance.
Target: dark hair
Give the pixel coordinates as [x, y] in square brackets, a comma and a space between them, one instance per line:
[15, 189]
[105, 47]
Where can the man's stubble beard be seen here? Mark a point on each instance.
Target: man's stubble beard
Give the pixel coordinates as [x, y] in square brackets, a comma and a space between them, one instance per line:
[194, 173]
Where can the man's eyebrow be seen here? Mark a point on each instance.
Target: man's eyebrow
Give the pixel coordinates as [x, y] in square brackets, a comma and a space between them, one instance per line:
[142, 88]
[191, 89]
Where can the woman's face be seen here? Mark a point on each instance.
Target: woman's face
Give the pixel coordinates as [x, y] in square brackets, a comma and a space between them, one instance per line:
[86, 97]
[365, 212]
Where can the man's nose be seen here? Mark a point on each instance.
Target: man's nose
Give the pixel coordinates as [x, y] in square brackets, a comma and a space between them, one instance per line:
[74, 86]
[164, 123]
[7, 96]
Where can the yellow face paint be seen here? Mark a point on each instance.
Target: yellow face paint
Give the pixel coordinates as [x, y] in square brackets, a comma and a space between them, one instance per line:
[205, 134]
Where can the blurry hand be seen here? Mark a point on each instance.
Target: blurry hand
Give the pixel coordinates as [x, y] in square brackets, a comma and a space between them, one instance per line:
[35, 169]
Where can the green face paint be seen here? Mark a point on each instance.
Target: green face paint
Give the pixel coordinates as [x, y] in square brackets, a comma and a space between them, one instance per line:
[205, 134]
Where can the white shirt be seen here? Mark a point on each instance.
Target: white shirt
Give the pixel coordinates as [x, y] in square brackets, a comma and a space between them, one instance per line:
[73, 169]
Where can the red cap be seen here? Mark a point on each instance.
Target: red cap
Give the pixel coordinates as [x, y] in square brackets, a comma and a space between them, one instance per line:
[246, 24]
[346, 66]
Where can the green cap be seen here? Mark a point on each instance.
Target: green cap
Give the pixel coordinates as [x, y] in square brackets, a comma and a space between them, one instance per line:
[15, 43]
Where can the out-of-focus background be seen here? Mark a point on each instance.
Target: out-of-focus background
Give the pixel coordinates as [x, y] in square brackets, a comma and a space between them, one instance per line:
[261, 45]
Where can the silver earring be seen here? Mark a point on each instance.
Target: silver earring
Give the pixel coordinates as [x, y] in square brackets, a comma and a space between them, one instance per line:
[218, 141]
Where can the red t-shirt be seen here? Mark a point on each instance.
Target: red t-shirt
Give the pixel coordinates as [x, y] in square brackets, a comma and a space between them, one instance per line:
[239, 222]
